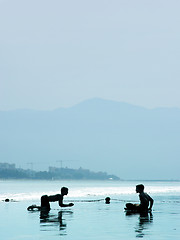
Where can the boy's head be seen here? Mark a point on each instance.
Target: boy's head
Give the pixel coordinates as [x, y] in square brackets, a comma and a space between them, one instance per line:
[139, 188]
[64, 190]
[107, 200]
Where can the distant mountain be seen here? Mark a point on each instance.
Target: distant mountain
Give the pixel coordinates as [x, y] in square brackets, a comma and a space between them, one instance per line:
[129, 141]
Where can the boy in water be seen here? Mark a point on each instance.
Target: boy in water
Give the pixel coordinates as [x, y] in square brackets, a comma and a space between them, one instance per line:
[45, 205]
[146, 202]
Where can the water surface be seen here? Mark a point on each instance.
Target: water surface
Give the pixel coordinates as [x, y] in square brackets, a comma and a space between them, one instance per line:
[90, 217]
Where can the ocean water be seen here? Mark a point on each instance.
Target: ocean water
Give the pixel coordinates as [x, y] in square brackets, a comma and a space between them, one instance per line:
[89, 218]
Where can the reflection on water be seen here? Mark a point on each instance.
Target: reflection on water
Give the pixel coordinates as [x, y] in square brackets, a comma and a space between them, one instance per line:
[143, 224]
[50, 222]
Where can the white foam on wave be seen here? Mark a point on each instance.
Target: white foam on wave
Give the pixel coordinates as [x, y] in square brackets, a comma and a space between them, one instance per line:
[91, 192]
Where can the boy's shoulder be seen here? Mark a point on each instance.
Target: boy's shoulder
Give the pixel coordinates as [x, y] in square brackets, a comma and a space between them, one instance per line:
[143, 194]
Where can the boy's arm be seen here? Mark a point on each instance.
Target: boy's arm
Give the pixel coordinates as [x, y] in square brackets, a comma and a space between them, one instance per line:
[151, 203]
[61, 204]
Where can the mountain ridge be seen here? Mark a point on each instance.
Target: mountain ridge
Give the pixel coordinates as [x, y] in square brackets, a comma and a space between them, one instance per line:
[101, 135]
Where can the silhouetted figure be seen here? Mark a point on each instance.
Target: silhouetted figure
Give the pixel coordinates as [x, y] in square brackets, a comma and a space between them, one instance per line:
[45, 200]
[107, 200]
[9, 200]
[146, 202]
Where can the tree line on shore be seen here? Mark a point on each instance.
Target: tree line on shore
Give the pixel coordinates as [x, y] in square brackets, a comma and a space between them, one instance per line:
[53, 174]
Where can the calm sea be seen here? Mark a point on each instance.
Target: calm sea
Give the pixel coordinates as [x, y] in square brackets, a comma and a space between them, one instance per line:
[90, 217]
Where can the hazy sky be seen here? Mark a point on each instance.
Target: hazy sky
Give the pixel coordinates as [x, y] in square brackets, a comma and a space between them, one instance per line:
[57, 53]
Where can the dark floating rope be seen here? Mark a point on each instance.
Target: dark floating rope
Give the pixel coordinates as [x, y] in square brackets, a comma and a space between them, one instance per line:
[98, 200]
[120, 200]
[95, 200]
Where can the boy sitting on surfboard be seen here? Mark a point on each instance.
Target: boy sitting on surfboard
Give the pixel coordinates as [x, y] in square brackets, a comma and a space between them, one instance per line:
[146, 202]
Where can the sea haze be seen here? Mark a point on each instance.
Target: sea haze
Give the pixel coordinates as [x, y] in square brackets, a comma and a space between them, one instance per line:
[122, 139]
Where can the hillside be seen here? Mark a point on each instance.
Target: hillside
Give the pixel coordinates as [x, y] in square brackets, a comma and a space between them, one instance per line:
[129, 141]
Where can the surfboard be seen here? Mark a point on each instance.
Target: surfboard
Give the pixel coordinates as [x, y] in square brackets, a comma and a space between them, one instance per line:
[135, 211]
[34, 207]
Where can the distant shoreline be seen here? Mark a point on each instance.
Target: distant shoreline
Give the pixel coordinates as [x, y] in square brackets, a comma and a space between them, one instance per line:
[9, 171]
[109, 180]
